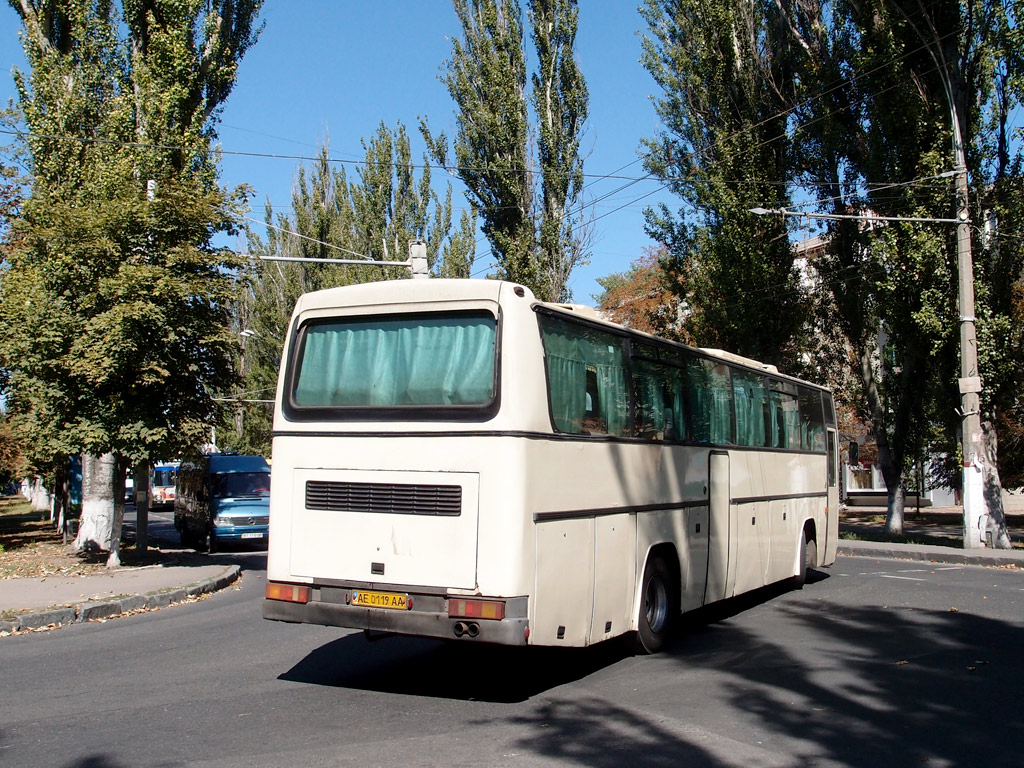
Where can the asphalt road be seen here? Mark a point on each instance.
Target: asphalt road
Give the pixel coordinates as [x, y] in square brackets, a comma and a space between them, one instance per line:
[878, 663]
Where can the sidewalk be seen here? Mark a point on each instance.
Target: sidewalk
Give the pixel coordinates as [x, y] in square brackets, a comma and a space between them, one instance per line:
[36, 603]
[936, 525]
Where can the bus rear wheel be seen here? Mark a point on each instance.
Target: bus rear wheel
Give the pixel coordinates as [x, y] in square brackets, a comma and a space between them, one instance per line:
[659, 606]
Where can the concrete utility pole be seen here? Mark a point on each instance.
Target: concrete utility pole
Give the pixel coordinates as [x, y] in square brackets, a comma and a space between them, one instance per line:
[975, 513]
[141, 469]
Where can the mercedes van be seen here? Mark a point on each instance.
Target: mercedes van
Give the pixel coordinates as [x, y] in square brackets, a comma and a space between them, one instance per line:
[223, 498]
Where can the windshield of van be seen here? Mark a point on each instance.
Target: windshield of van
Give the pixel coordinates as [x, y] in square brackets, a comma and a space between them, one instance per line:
[229, 484]
[426, 360]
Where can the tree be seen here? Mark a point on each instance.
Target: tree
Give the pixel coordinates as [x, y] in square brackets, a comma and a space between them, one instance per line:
[532, 219]
[375, 216]
[560, 101]
[115, 298]
[907, 68]
[727, 82]
[640, 298]
[852, 102]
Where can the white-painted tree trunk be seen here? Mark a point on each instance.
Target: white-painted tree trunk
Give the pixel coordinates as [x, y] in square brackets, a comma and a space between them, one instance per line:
[39, 496]
[102, 512]
[997, 535]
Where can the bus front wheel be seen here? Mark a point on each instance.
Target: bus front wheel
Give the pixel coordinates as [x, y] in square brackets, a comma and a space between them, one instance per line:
[659, 606]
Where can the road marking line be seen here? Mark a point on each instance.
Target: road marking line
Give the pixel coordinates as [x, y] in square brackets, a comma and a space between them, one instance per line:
[905, 578]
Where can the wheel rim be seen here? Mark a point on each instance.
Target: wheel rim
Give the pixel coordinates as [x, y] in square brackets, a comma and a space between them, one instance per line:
[656, 605]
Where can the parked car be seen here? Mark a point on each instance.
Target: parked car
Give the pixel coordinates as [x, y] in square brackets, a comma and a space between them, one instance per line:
[223, 498]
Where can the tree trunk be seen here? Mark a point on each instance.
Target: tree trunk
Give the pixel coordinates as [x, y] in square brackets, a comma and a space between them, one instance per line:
[100, 526]
[141, 475]
[117, 524]
[998, 536]
[39, 496]
[895, 486]
[897, 503]
[59, 503]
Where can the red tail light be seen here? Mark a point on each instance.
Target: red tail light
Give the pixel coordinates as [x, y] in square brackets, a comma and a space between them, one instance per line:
[287, 592]
[476, 609]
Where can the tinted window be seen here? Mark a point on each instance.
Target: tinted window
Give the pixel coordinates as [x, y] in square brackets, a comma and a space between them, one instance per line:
[586, 371]
[750, 402]
[710, 399]
[658, 395]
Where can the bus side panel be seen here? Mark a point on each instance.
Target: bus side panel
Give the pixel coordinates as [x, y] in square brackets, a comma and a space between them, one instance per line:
[687, 531]
[750, 549]
[614, 572]
[788, 475]
[563, 597]
[696, 573]
[786, 521]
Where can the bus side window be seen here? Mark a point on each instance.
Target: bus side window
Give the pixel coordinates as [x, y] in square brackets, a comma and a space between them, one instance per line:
[592, 421]
[658, 398]
[587, 378]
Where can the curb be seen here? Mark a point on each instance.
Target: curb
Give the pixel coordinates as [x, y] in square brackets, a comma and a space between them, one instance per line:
[96, 610]
[949, 556]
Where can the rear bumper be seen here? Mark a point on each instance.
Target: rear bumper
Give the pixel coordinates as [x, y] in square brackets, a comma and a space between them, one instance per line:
[428, 617]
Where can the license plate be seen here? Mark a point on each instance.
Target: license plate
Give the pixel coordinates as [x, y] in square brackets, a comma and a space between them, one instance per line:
[252, 535]
[392, 600]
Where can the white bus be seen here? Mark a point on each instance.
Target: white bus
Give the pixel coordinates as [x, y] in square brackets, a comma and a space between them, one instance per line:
[455, 459]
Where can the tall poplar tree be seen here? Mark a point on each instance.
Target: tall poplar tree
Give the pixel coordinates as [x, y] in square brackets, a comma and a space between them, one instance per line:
[560, 101]
[374, 216]
[727, 83]
[529, 207]
[115, 301]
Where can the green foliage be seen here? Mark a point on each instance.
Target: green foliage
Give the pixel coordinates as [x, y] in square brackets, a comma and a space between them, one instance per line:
[561, 103]
[851, 101]
[375, 216]
[727, 81]
[908, 66]
[114, 298]
[530, 219]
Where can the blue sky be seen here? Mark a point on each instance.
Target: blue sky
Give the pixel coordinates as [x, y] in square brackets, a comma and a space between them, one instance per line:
[340, 67]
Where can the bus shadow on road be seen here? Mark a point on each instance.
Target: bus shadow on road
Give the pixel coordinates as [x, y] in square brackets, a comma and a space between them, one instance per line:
[467, 671]
[726, 609]
[450, 670]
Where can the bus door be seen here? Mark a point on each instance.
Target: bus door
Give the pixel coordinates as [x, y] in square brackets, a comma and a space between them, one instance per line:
[721, 579]
[832, 519]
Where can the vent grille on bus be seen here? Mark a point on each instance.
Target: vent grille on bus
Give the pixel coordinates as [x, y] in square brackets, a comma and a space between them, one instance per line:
[441, 500]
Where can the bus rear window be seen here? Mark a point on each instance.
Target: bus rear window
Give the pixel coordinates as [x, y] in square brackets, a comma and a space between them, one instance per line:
[396, 361]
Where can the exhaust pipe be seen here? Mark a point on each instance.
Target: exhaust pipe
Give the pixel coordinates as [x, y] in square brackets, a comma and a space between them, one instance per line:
[472, 629]
[460, 628]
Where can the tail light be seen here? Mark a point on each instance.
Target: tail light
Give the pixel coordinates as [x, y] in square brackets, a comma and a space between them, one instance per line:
[290, 593]
[459, 608]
